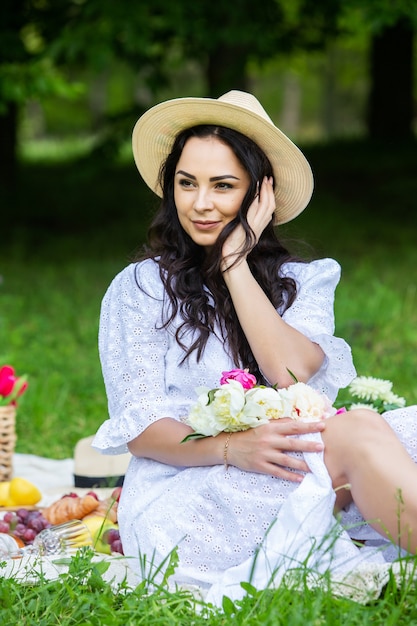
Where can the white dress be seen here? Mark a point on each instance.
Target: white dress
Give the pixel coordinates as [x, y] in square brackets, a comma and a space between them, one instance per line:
[217, 519]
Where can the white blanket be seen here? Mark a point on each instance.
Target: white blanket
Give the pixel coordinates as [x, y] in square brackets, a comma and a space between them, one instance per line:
[52, 477]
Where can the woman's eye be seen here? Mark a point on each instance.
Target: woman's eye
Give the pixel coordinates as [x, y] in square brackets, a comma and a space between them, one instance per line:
[224, 186]
[183, 182]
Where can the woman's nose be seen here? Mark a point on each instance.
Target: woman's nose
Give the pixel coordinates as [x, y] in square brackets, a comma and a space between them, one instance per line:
[203, 200]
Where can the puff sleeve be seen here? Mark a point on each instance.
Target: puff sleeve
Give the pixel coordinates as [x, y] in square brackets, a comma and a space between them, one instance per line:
[132, 352]
[312, 313]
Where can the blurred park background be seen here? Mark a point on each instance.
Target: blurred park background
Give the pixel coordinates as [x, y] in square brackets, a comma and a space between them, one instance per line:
[338, 76]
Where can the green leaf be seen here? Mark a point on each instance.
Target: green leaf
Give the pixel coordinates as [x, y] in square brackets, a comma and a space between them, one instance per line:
[228, 606]
[293, 376]
[211, 395]
[101, 567]
[6, 400]
[193, 436]
[250, 589]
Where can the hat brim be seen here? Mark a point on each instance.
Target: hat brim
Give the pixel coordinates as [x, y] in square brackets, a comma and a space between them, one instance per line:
[154, 134]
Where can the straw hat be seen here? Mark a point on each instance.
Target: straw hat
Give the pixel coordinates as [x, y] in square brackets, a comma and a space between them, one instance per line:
[155, 131]
[93, 469]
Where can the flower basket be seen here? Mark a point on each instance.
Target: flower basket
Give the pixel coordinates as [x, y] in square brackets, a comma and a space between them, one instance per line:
[7, 440]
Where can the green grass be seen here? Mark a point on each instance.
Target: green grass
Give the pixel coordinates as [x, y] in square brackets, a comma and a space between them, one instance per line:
[73, 225]
[82, 597]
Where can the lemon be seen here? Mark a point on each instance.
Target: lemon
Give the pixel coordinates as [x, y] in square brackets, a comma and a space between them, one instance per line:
[23, 492]
[4, 493]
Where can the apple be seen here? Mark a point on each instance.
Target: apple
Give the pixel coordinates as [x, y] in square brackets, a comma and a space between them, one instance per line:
[98, 526]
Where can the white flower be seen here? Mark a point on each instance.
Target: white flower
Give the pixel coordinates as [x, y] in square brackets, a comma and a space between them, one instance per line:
[218, 410]
[370, 388]
[392, 398]
[202, 421]
[231, 407]
[363, 405]
[302, 402]
[263, 404]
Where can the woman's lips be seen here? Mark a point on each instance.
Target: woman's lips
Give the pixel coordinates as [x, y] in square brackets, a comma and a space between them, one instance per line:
[205, 225]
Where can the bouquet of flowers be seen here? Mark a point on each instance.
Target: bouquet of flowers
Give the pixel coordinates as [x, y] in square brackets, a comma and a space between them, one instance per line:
[239, 403]
[11, 386]
[373, 393]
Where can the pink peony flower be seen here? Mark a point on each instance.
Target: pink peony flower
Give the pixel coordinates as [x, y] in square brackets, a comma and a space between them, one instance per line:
[242, 376]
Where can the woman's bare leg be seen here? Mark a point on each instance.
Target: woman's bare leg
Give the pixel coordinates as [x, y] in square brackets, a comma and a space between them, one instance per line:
[362, 451]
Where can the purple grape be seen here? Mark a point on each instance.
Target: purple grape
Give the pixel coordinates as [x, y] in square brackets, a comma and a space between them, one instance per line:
[29, 535]
[112, 535]
[35, 524]
[20, 529]
[4, 527]
[116, 546]
[22, 514]
[45, 523]
[10, 517]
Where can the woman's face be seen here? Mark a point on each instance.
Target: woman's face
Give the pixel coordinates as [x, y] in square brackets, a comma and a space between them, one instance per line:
[209, 187]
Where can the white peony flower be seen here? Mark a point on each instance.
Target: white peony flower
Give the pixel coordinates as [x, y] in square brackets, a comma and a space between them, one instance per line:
[302, 402]
[218, 410]
[263, 404]
[202, 421]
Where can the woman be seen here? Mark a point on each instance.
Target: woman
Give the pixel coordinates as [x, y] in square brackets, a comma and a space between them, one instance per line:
[214, 290]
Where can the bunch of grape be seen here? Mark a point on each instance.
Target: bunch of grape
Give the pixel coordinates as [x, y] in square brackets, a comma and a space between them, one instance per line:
[23, 524]
[112, 537]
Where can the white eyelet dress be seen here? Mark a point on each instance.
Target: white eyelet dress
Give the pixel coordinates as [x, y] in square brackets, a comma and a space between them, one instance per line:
[216, 519]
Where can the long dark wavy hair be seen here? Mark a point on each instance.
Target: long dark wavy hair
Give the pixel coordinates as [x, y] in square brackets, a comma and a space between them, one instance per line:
[192, 277]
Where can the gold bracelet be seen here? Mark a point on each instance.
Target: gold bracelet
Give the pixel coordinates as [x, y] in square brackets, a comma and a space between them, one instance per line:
[226, 447]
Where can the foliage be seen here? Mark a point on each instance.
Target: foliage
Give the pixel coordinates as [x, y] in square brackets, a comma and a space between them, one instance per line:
[375, 15]
[26, 69]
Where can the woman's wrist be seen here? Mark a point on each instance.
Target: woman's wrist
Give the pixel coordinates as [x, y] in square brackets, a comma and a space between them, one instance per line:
[226, 451]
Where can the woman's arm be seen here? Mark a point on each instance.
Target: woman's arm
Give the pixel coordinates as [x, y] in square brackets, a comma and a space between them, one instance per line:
[276, 346]
[263, 449]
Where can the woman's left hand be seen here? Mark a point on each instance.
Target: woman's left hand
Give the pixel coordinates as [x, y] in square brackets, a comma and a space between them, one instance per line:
[260, 213]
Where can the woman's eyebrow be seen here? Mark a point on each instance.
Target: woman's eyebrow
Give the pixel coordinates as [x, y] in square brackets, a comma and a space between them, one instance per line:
[212, 179]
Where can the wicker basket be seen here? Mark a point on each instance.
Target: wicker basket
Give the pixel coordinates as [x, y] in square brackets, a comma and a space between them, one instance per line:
[7, 441]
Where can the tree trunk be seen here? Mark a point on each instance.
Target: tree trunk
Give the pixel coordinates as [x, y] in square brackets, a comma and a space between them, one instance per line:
[390, 108]
[8, 147]
[226, 70]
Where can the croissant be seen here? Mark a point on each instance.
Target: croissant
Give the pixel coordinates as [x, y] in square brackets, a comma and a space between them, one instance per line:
[69, 508]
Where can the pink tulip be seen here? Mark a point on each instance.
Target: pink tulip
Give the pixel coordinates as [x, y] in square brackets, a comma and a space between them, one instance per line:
[242, 376]
[8, 381]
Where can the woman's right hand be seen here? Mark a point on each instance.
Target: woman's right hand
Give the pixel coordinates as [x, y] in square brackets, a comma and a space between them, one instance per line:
[266, 449]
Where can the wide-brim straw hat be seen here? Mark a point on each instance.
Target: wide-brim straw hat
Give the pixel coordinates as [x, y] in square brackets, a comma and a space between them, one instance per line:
[93, 469]
[156, 130]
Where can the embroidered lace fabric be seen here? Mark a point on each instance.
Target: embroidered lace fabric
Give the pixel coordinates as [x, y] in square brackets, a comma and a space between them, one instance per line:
[216, 518]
